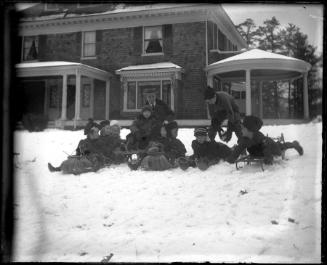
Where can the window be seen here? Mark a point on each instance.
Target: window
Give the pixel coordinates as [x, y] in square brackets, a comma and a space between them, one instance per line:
[51, 7]
[221, 41]
[30, 48]
[86, 92]
[89, 44]
[215, 30]
[137, 92]
[153, 40]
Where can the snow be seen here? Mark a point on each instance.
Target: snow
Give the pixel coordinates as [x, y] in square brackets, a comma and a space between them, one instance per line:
[46, 64]
[168, 216]
[163, 65]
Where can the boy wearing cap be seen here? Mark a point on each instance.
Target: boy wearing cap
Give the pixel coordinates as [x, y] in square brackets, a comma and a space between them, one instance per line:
[212, 151]
[222, 106]
[143, 129]
[259, 145]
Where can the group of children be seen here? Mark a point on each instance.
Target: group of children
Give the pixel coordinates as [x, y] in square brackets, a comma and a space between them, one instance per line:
[155, 143]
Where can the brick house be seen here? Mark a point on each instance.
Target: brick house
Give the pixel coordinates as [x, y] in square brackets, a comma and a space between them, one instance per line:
[100, 60]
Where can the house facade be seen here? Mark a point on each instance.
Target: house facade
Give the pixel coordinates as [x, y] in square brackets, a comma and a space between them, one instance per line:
[116, 54]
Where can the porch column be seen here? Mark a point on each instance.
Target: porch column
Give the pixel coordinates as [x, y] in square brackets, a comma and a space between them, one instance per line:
[305, 96]
[260, 100]
[92, 98]
[78, 96]
[210, 80]
[107, 98]
[64, 98]
[248, 105]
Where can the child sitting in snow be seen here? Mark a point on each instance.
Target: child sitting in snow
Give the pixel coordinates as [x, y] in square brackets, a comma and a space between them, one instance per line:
[205, 152]
[259, 145]
[175, 148]
[110, 144]
[143, 129]
[87, 158]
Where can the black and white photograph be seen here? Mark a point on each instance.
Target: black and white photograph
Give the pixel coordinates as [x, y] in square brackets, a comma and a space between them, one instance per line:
[167, 132]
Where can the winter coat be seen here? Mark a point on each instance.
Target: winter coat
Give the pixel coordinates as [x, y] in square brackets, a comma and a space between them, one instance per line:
[224, 108]
[212, 151]
[144, 130]
[108, 144]
[258, 146]
[76, 165]
[175, 149]
[87, 146]
[161, 111]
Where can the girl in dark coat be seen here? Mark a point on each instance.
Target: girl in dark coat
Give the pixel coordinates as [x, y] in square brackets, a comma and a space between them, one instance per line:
[259, 145]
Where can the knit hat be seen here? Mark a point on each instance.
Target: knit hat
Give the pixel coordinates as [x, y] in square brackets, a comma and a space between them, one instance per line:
[89, 126]
[171, 125]
[202, 131]
[252, 123]
[146, 107]
[209, 93]
[104, 123]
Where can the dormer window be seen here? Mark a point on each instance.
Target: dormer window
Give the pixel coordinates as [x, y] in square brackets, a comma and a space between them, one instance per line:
[153, 40]
[30, 48]
[51, 7]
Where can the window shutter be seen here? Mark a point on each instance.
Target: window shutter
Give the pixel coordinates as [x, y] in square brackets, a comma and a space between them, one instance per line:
[167, 39]
[98, 39]
[138, 41]
[79, 44]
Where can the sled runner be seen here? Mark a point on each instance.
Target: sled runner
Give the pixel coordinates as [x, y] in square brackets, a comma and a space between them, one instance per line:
[248, 159]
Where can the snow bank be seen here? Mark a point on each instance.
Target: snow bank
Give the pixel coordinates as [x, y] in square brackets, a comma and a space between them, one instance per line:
[219, 215]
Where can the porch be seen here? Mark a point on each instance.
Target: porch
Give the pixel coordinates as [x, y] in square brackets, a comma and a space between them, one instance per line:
[268, 85]
[68, 93]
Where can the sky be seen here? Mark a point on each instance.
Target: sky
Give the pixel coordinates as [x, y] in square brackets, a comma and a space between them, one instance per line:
[309, 18]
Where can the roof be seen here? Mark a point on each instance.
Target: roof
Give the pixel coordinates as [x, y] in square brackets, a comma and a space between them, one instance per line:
[256, 54]
[37, 13]
[59, 68]
[259, 59]
[164, 65]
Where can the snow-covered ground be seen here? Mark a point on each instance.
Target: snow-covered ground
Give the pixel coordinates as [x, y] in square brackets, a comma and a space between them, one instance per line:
[168, 216]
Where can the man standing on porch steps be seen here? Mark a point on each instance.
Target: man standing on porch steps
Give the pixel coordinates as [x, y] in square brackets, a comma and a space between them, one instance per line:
[160, 109]
[222, 106]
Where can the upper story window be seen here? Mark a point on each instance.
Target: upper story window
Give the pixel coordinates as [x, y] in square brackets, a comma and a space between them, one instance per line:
[152, 40]
[51, 7]
[221, 41]
[89, 44]
[30, 48]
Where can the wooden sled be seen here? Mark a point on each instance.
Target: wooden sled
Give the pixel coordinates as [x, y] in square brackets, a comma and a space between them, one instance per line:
[248, 159]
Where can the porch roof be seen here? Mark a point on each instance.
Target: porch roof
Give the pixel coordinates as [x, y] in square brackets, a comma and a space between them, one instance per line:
[55, 68]
[150, 70]
[257, 59]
